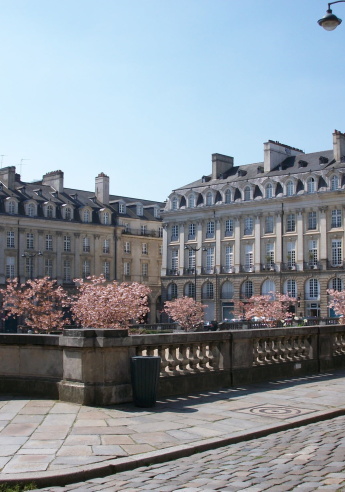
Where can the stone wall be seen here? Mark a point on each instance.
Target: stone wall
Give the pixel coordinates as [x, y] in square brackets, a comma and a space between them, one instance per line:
[93, 366]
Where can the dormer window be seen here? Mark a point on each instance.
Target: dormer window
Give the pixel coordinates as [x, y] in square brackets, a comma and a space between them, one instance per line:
[11, 207]
[228, 196]
[209, 198]
[246, 194]
[30, 210]
[269, 191]
[50, 211]
[68, 213]
[334, 182]
[106, 218]
[191, 200]
[290, 189]
[140, 209]
[311, 185]
[86, 216]
[122, 208]
[174, 203]
[156, 212]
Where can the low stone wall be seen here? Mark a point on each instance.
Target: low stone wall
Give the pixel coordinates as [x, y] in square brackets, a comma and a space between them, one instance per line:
[93, 366]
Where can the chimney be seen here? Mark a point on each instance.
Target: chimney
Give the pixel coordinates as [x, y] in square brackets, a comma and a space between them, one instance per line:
[102, 188]
[220, 165]
[275, 153]
[338, 145]
[7, 176]
[54, 179]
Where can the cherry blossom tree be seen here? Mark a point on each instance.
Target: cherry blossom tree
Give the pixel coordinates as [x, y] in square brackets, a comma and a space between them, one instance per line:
[109, 305]
[337, 303]
[270, 308]
[40, 302]
[187, 312]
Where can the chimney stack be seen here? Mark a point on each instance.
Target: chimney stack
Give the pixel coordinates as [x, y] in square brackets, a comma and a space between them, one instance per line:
[102, 188]
[338, 145]
[7, 176]
[54, 179]
[220, 165]
[275, 153]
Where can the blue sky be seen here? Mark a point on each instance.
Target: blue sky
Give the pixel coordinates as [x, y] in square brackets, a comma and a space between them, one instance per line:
[147, 90]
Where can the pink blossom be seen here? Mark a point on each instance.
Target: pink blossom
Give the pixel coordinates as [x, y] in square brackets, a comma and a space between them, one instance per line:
[187, 312]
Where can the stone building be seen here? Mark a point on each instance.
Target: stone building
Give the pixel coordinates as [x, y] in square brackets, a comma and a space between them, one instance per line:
[47, 229]
[276, 225]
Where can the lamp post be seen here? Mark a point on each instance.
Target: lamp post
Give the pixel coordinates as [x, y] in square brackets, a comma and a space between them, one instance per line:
[330, 21]
[191, 248]
[31, 256]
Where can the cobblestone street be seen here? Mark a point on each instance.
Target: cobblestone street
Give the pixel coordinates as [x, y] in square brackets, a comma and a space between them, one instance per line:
[308, 458]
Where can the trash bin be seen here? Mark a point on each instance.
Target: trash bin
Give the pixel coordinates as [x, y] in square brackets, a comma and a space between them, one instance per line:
[145, 376]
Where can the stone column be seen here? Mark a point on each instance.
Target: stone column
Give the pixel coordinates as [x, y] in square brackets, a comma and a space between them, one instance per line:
[257, 243]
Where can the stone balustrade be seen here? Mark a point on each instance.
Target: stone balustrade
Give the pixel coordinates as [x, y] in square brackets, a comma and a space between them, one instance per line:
[93, 366]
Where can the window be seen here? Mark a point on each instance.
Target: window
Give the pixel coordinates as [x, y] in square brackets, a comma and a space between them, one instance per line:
[86, 216]
[29, 267]
[106, 270]
[67, 270]
[227, 291]
[191, 259]
[86, 268]
[140, 209]
[160, 249]
[127, 268]
[190, 290]
[49, 242]
[30, 210]
[311, 185]
[156, 213]
[228, 196]
[10, 267]
[290, 223]
[191, 231]
[336, 283]
[174, 203]
[229, 257]
[10, 239]
[336, 218]
[312, 289]
[68, 213]
[174, 233]
[144, 249]
[269, 224]
[50, 211]
[172, 291]
[160, 232]
[106, 246]
[106, 218]
[174, 260]
[48, 267]
[248, 226]
[248, 256]
[291, 288]
[210, 259]
[268, 288]
[191, 200]
[122, 208]
[143, 229]
[334, 182]
[247, 289]
[337, 259]
[67, 243]
[210, 229]
[145, 269]
[127, 247]
[247, 193]
[312, 253]
[312, 221]
[127, 228]
[291, 254]
[207, 290]
[229, 228]
[29, 241]
[209, 198]
[290, 189]
[86, 245]
[269, 191]
[269, 254]
[11, 207]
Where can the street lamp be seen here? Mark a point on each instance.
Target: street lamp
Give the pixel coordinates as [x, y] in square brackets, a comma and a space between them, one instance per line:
[330, 21]
[191, 248]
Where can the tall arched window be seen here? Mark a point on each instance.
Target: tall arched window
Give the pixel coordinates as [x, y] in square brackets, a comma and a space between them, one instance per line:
[172, 291]
[336, 283]
[290, 189]
[269, 190]
[207, 290]
[312, 289]
[268, 288]
[247, 289]
[311, 185]
[189, 289]
[228, 196]
[290, 288]
[247, 193]
[227, 290]
[334, 182]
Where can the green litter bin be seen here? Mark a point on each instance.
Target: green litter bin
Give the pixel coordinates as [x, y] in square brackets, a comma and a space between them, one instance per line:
[145, 376]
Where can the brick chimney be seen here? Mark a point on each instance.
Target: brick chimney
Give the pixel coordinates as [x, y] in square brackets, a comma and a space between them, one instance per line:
[220, 165]
[338, 145]
[7, 176]
[275, 153]
[102, 188]
[54, 179]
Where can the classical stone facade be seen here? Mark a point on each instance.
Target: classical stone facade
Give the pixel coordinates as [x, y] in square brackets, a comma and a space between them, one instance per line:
[276, 225]
[47, 229]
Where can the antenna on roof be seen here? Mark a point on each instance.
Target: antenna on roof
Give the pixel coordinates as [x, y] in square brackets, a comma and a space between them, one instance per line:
[2, 159]
[21, 165]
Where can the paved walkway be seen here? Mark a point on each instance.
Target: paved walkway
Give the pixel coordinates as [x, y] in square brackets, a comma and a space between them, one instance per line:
[54, 443]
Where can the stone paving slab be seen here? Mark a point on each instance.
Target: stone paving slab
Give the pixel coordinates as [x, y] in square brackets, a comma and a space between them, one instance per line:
[52, 442]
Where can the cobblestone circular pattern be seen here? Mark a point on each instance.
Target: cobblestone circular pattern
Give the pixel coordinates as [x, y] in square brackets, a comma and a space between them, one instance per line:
[269, 410]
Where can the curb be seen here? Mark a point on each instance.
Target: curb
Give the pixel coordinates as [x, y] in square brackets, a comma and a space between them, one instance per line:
[116, 465]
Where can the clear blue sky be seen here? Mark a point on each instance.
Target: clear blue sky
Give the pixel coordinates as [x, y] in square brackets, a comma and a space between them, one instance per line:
[147, 90]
